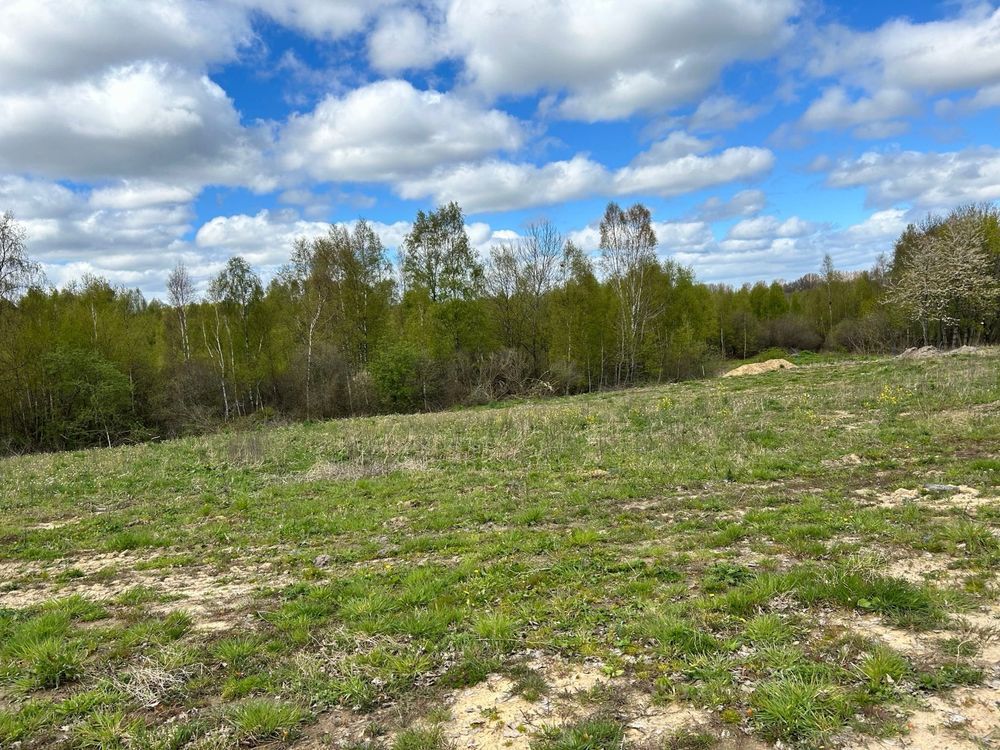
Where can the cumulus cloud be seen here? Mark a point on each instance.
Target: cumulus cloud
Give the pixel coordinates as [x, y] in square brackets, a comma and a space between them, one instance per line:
[673, 166]
[607, 62]
[129, 194]
[325, 19]
[151, 120]
[936, 56]
[875, 116]
[390, 129]
[70, 235]
[762, 227]
[403, 39]
[902, 59]
[266, 238]
[496, 185]
[927, 179]
[52, 41]
[667, 174]
[743, 203]
[775, 249]
[721, 113]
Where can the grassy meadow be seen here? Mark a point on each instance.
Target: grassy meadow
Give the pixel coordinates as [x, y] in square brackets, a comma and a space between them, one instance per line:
[803, 558]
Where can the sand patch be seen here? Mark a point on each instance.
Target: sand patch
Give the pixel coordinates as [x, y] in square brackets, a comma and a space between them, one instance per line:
[924, 568]
[652, 723]
[967, 719]
[213, 598]
[872, 627]
[756, 368]
[958, 496]
[489, 716]
[51, 525]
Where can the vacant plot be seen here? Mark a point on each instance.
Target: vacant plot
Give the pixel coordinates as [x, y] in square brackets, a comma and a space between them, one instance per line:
[804, 557]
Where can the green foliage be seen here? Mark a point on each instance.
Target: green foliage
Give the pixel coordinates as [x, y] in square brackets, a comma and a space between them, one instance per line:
[797, 710]
[420, 739]
[591, 734]
[91, 400]
[332, 335]
[261, 720]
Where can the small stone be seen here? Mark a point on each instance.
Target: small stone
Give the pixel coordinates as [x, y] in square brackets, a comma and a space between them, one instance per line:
[321, 561]
[956, 720]
[942, 488]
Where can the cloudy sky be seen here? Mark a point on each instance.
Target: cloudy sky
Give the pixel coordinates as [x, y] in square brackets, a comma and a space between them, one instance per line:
[762, 133]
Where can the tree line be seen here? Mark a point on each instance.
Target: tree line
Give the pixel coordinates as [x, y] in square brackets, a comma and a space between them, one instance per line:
[341, 330]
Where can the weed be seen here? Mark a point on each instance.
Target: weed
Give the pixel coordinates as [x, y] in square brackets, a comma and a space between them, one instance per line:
[591, 734]
[261, 720]
[797, 710]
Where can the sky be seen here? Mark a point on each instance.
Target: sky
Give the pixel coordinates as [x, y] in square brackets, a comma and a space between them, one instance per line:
[761, 133]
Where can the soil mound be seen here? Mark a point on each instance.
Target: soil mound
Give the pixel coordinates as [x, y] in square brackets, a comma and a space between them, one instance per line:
[758, 367]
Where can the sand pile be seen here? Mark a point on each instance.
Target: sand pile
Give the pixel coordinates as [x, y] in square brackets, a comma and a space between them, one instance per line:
[923, 352]
[758, 367]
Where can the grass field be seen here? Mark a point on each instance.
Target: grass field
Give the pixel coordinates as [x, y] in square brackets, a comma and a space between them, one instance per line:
[745, 562]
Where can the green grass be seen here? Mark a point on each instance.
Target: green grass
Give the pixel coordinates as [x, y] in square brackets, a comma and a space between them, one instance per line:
[705, 543]
[592, 734]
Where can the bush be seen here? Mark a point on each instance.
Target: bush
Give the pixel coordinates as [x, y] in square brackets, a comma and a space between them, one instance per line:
[398, 374]
[868, 335]
[790, 332]
[91, 400]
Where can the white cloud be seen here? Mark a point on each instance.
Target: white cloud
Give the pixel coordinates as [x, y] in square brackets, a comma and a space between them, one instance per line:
[789, 249]
[928, 179]
[762, 227]
[611, 61]
[70, 236]
[743, 203]
[329, 19]
[721, 113]
[902, 58]
[150, 120]
[140, 194]
[873, 116]
[986, 98]
[937, 56]
[52, 41]
[664, 171]
[403, 39]
[670, 167]
[390, 129]
[266, 238]
[499, 186]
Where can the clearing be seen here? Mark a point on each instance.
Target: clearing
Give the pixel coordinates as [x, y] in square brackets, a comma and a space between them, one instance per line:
[803, 557]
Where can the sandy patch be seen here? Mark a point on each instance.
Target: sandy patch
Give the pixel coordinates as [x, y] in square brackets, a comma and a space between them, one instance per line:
[967, 719]
[489, 716]
[957, 496]
[653, 723]
[757, 368]
[871, 627]
[898, 497]
[213, 598]
[924, 568]
[51, 525]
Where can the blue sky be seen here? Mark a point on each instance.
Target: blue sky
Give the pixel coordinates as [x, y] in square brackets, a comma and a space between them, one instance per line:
[762, 133]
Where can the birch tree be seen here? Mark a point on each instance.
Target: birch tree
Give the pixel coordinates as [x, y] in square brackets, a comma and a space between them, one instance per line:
[17, 271]
[180, 291]
[628, 245]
